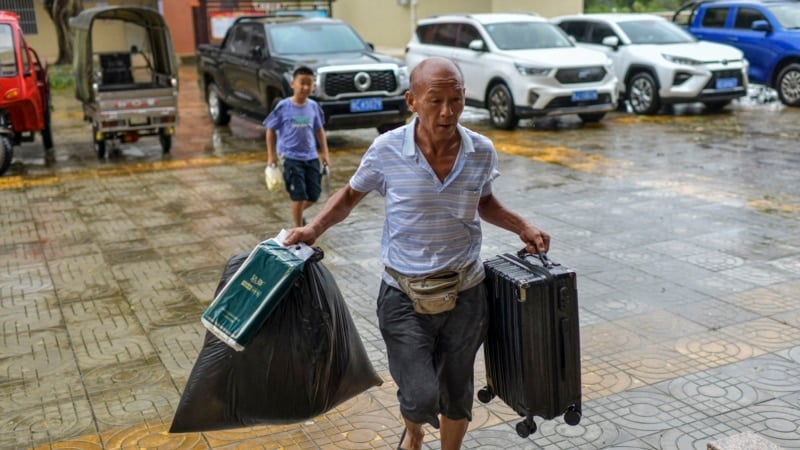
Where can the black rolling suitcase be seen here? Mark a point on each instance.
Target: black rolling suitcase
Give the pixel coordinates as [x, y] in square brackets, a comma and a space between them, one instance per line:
[532, 349]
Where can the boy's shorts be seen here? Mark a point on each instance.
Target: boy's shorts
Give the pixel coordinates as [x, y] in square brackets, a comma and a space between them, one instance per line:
[303, 179]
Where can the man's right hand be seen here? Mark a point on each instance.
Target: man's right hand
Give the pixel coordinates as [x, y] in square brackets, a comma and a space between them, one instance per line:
[306, 235]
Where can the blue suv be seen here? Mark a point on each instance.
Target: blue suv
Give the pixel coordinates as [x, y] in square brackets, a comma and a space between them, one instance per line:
[767, 32]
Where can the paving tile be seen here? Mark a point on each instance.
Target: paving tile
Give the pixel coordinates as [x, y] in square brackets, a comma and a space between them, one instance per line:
[659, 326]
[764, 300]
[651, 363]
[714, 349]
[688, 293]
[764, 333]
[775, 420]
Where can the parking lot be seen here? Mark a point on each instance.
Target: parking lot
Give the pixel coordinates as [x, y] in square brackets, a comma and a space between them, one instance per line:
[683, 228]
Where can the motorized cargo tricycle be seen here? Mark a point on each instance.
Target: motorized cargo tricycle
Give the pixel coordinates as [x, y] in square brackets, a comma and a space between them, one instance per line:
[24, 92]
[126, 75]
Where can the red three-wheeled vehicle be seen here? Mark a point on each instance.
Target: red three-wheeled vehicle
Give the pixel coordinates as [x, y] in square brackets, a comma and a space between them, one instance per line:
[24, 92]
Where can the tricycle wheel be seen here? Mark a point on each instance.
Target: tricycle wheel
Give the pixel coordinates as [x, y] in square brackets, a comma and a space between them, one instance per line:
[165, 140]
[47, 131]
[6, 154]
[100, 149]
[99, 143]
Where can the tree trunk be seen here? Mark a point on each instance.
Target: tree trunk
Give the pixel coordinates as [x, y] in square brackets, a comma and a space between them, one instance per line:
[60, 11]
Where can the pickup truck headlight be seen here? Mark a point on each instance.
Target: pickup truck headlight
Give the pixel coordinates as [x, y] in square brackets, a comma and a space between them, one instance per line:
[682, 60]
[532, 70]
[402, 77]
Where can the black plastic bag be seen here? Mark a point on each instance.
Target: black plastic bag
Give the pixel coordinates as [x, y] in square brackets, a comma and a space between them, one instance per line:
[306, 359]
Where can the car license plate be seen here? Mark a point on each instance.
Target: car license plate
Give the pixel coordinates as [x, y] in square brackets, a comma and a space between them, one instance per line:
[727, 83]
[582, 96]
[366, 104]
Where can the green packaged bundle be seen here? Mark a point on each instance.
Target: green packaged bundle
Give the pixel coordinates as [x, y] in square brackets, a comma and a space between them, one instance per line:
[262, 281]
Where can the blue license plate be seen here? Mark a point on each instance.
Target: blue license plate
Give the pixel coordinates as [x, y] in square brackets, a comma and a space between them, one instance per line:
[727, 83]
[366, 104]
[582, 96]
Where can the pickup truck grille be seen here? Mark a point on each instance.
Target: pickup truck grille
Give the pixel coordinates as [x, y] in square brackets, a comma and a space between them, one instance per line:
[581, 75]
[343, 82]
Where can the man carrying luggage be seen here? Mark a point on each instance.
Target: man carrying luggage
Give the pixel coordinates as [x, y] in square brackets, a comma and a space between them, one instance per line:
[436, 177]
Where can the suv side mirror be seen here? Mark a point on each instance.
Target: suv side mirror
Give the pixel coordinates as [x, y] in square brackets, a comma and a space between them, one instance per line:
[478, 45]
[760, 25]
[610, 41]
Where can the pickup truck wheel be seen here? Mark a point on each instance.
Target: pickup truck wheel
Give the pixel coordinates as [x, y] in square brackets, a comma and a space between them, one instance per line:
[643, 94]
[217, 109]
[788, 85]
[501, 108]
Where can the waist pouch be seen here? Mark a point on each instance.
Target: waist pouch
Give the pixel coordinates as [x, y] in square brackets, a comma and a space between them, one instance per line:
[430, 294]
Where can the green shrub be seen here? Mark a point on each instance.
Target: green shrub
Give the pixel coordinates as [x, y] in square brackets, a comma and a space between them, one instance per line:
[60, 76]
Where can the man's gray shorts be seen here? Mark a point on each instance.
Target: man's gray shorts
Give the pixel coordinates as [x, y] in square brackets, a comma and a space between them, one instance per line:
[432, 357]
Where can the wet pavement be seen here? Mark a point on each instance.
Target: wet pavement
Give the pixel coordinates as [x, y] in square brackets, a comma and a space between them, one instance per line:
[683, 229]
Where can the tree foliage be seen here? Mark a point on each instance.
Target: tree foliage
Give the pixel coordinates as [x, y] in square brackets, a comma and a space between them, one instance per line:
[595, 6]
[60, 11]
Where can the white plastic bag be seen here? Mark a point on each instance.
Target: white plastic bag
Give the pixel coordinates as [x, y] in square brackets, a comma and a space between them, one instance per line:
[273, 178]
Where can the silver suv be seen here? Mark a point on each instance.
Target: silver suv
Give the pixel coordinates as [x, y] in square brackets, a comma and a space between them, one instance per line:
[518, 66]
[659, 63]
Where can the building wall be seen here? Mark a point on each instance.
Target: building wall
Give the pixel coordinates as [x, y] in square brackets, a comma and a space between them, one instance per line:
[389, 23]
[384, 23]
[178, 14]
[45, 42]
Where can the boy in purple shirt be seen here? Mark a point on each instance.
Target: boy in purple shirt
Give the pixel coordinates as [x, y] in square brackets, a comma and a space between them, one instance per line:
[294, 127]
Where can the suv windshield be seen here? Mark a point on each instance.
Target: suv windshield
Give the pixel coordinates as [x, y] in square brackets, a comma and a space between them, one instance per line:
[527, 35]
[308, 38]
[787, 15]
[654, 32]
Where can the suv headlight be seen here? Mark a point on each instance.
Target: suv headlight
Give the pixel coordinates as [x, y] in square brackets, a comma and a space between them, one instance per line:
[682, 60]
[532, 70]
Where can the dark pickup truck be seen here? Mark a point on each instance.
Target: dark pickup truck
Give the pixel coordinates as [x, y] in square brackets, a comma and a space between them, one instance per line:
[250, 71]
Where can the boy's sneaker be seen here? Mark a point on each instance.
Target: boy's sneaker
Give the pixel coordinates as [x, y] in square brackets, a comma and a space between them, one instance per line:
[304, 221]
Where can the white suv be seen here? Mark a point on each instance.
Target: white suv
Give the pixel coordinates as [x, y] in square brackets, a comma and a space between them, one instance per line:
[518, 66]
[658, 62]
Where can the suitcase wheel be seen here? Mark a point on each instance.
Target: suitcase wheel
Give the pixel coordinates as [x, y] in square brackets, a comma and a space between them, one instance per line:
[486, 394]
[526, 428]
[572, 416]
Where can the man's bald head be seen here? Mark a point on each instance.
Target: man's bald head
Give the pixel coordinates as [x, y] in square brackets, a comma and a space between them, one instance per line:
[431, 69]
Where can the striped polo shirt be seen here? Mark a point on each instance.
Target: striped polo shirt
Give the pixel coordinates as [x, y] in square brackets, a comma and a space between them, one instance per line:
[430, 225]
